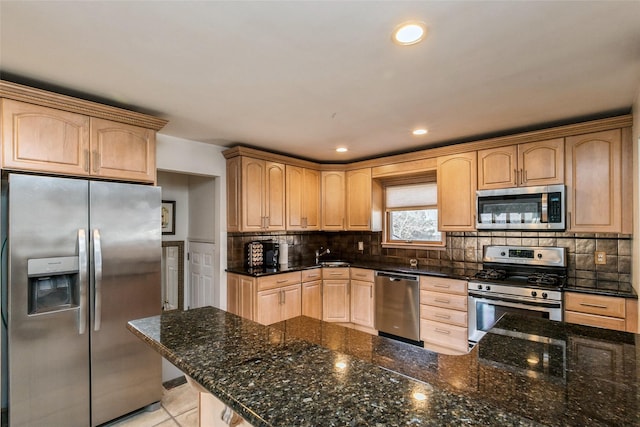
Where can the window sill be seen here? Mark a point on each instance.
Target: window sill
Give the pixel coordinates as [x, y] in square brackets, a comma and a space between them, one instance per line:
[435, 246]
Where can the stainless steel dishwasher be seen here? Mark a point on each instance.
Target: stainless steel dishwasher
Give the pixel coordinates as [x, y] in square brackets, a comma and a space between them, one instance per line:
[398, 305]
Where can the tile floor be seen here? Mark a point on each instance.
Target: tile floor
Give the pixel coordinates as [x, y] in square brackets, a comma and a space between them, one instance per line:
[179, 408]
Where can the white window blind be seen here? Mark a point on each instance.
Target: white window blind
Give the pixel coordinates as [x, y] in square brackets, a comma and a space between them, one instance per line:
[401, 196]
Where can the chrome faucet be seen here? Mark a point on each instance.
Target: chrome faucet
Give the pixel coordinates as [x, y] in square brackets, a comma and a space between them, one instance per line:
[319, 254]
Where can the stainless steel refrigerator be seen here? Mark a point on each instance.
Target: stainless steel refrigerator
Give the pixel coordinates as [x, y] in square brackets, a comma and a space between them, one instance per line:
[84, 258]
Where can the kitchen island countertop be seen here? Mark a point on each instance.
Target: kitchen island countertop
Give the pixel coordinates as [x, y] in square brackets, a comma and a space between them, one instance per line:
[305, 372]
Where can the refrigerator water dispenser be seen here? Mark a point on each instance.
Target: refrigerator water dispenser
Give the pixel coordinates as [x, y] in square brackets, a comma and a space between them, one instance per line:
[53, 284]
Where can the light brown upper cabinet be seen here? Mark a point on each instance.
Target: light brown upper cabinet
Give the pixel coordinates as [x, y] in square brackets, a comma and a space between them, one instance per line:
[37, 138]
[255, 195]
[457, 177]
[122, 151]
[598, 181]
[303, 198]
[359, 199]
[333, 200]
[535, 163]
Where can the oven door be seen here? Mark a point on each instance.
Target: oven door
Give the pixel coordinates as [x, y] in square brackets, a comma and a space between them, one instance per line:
[486, 310]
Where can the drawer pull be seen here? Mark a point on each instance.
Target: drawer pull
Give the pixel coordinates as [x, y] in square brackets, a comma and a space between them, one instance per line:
[440, 285]
[361, 275]
[586, 304]
[442, 316]
[442, 331]
[442, 301]
[283, 281]
[313, 275]
[335, 274]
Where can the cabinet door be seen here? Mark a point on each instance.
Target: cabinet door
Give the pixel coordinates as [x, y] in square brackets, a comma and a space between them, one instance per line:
[303, 198]
[295, 197]
[594, 186]
[335, 301]
[291, 302]
[333, 200]
[253, 194]
[541, 162]
[497, 167]
[274, 198]
[362, 303]
[44, 139]
[122, 151]
[268, 304]
[359, 199]
[311, 197]
[233, 285]
[312, 299]
[457, 192]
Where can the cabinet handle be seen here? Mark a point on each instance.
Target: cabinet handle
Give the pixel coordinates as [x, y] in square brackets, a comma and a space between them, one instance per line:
[442, 331]
[586, 304]
[266, 222]
[86, 160]
[442, 301]
[283, 281]
[515, 176]
[335, 274]
[524, 176]
[96, 161]
[442, 316]
[440, 285]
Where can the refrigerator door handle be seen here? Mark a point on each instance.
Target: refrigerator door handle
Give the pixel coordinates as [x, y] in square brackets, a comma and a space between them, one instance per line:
[82, 261]
[97, 267]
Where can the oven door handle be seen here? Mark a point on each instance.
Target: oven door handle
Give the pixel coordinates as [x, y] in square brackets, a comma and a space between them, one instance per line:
[521, 303]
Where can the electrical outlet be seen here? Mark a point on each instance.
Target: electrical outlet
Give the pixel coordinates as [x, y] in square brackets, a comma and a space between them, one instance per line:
[601, 257]
[361, 246]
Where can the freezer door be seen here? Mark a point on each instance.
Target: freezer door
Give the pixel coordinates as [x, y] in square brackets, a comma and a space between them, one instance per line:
[126, 251]
[47, 316]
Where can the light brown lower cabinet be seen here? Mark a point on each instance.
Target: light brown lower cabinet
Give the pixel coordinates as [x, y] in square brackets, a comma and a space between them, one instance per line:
[362, 303]
[275, 305]
[443, 313]
[336, 295]
[601, 311]
[240, 295]
[312, 293]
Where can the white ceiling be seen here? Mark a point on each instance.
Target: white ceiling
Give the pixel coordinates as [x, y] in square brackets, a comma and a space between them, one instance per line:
[304, 77]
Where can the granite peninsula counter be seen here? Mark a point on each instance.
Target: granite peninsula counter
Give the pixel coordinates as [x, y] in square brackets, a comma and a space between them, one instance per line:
[305, 372]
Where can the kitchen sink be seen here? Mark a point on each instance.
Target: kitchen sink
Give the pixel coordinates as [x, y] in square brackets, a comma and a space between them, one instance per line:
[335, 264]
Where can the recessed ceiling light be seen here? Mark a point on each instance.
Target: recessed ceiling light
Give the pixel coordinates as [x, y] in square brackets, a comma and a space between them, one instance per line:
[342, 149]
[409, 33]
[420, 132]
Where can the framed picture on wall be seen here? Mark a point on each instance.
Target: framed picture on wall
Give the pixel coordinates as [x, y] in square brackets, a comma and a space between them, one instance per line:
[168, 217]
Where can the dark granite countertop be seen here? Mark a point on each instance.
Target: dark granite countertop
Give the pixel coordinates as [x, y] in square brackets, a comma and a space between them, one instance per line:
[619, 289]
[305, 372]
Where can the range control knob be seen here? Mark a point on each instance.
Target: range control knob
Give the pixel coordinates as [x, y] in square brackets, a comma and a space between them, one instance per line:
[544, 295]
[534, 294]
[488, 287]
[480, 287]
[539, 256]
[503, 253]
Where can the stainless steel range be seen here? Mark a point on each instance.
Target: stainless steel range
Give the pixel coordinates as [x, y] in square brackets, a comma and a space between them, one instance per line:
[516, 279]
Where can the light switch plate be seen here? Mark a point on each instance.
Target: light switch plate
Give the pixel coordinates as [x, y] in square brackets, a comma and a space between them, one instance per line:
[361, 246]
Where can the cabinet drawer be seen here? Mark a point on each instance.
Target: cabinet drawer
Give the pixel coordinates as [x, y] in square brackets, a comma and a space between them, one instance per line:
[595, 320]
[439, 299]
[437, 314]
[362, 274]
[450, 336]
[278, 280]
[311, 275]
[335, 273]
[441, 284]
[595, 304]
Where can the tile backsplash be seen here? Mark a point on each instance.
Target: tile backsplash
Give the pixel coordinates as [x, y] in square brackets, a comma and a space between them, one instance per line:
[462, 250]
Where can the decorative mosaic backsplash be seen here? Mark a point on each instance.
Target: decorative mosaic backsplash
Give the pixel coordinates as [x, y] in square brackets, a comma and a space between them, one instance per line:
[463, 250]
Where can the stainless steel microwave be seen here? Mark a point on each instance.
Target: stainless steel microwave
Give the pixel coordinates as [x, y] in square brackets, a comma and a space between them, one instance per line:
[522, 208]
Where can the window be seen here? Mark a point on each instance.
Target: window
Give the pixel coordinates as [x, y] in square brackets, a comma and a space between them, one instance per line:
[412, 214]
